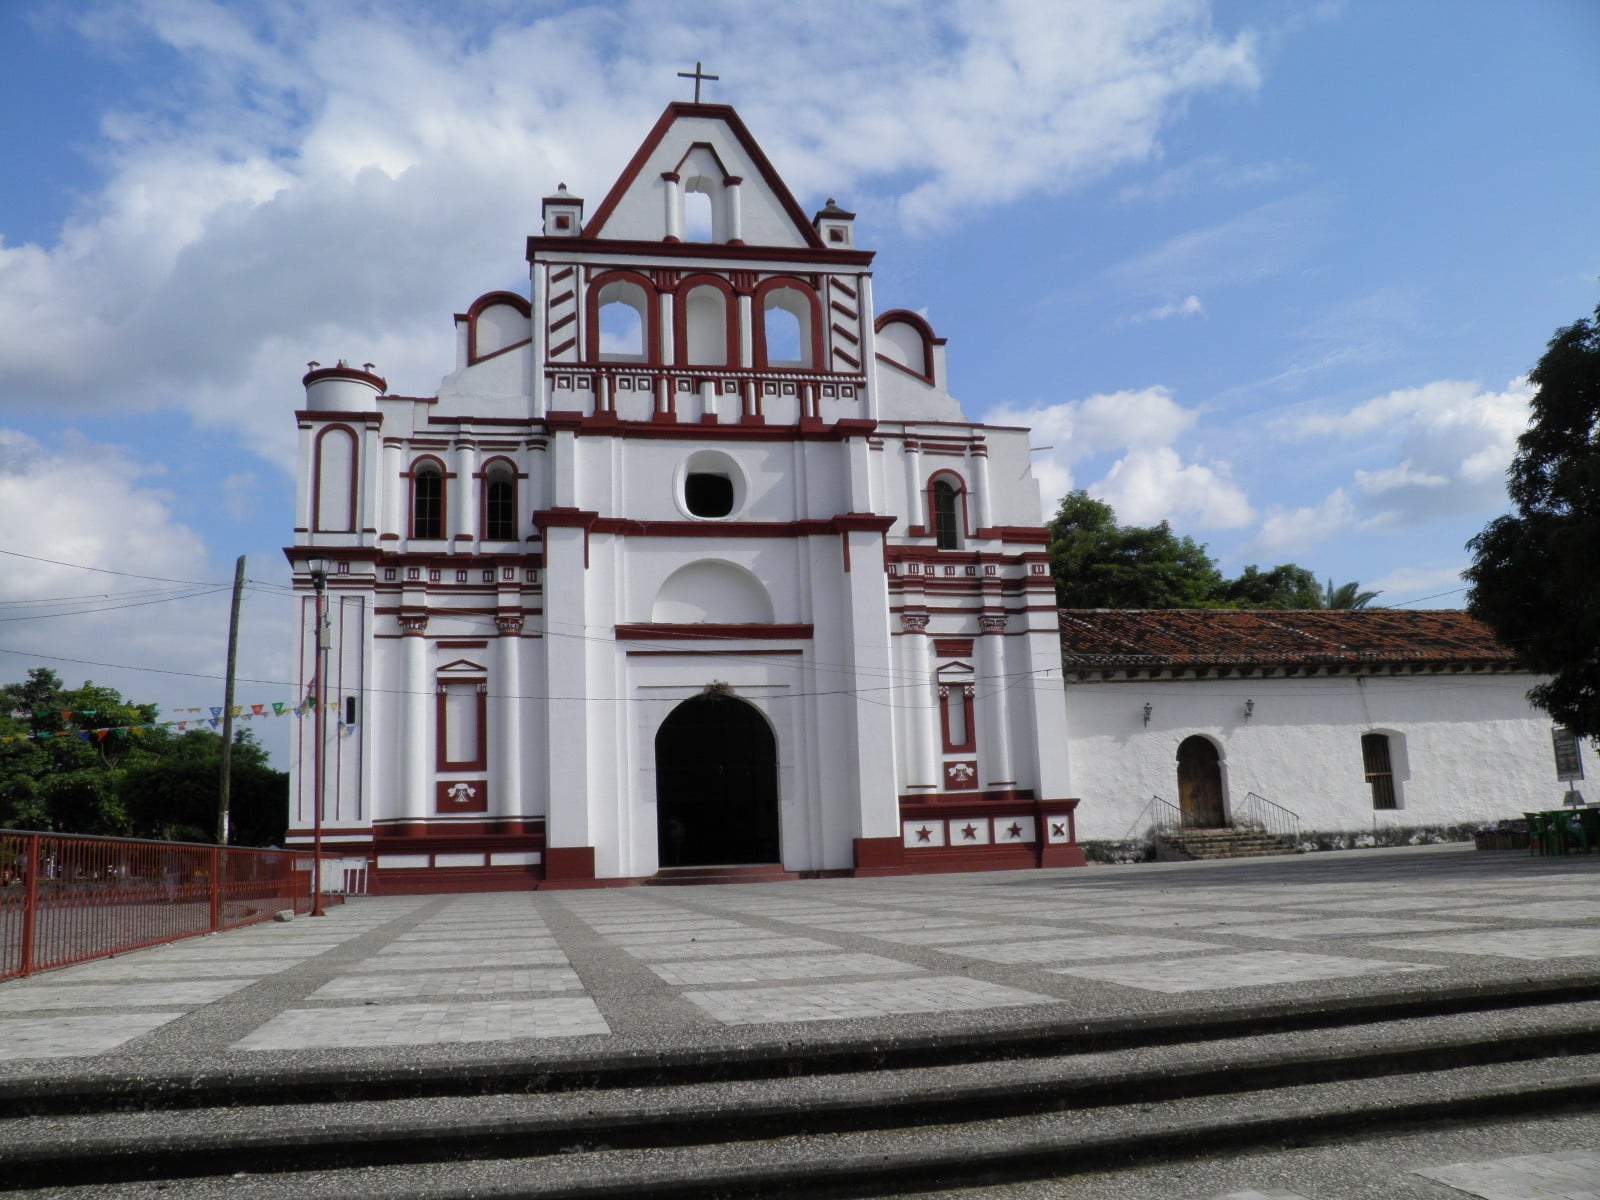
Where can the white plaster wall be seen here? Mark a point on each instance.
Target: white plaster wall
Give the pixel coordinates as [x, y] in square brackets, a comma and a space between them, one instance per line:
[497, 387]
[1474, 749]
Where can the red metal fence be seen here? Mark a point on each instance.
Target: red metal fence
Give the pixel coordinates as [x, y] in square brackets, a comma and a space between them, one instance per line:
[66, 898]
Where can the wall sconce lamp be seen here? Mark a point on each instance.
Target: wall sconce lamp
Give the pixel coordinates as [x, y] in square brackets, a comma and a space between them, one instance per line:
[1148, 709]
[1249, 709]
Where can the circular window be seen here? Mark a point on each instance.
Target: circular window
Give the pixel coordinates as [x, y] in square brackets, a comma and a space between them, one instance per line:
[710, 486]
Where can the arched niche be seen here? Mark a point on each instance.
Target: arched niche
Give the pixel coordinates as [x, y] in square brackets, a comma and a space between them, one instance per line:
[334, 486]
[496, 322]
[706, 316]
[712, 592]
[906, 341]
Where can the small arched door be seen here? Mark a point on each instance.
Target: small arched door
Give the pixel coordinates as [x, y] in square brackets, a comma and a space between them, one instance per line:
[1200, 783]
[716, 785]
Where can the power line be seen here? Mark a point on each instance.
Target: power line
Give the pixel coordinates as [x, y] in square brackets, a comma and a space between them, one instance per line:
[55, 562]
[1420, 599]
[79, 612]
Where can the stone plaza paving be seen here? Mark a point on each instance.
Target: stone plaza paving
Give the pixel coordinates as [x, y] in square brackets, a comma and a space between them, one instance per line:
[688, 966]
[558, 975]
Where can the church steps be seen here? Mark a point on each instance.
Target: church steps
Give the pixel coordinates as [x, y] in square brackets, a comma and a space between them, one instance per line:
[1471, 1064]
[56, 1093]
[887, 1161]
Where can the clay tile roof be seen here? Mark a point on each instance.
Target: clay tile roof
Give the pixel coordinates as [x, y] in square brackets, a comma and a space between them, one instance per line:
[1104, 638]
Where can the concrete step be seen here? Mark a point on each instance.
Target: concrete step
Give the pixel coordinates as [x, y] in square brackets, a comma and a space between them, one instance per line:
[653, 1157]
[643, 1137]
[685, 876]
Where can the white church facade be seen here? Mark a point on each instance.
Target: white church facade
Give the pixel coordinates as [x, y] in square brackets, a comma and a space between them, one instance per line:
[693, 568]
[691, 565]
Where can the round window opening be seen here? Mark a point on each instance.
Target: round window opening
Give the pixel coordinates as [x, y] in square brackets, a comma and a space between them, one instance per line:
[707, 494]
[710, 486]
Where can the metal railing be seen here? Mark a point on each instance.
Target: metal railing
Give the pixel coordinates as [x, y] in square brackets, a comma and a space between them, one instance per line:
[1165, 816]
[67, 898]
[1258, 812]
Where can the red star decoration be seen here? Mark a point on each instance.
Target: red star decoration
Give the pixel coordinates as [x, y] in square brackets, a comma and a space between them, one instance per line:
[924, 834]
[1015, 831]
[969, 832]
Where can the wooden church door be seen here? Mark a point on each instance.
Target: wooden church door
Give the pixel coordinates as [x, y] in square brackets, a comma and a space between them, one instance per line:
[1200, 783]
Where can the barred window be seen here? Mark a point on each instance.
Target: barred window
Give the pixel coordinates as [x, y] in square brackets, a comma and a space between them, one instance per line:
[500, 507]
[427, 503]
[1379, 771]
[946, 519]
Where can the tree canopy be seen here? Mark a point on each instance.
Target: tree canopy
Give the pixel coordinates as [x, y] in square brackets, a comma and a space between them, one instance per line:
[159, 784]
[1099, 563]
[1534, 571]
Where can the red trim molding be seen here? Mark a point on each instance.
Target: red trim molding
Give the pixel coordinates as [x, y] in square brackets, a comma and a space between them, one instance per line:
[318, 374]
[480, 756]
[568, 864]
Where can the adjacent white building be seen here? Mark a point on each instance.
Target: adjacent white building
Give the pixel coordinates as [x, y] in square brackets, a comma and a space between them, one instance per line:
[1347, 720]
[691, 563]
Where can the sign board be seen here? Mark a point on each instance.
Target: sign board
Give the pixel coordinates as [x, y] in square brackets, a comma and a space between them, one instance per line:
[1569, 759]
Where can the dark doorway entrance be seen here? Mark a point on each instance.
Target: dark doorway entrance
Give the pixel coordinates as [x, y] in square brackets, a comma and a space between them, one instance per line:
[716, 785]
[1200, 783]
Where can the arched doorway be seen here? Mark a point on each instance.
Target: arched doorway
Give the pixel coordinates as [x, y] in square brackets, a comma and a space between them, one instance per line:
[1200, 783]
[716, 785]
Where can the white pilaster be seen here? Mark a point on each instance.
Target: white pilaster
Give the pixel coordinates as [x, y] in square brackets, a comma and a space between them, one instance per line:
[466, 499]
[994, 703]
[733, 209]
[419, 704]
[505, 756]
[392, 489]
[672, 202]
[980, 491]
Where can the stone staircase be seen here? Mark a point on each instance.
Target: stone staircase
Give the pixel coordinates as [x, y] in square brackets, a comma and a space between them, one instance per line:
[1239, 842]
[858, 1116]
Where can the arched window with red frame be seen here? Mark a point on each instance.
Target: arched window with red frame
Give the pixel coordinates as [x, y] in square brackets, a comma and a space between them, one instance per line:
[706, 322]
[427, 499]
[623, 322]
[947, 509]
[786, 298]
[499, 500]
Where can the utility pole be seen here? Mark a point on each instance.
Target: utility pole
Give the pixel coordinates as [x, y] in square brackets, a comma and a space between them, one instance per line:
[225, 783]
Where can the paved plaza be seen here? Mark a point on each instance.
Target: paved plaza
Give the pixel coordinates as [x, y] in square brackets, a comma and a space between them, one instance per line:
[573, 972]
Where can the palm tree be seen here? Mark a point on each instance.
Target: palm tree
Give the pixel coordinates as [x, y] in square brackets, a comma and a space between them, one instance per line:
[1347, 595]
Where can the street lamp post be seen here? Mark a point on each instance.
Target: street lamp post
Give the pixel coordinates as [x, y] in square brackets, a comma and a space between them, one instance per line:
[319, 580]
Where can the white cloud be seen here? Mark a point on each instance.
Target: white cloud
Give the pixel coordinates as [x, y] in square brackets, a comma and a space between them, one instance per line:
[1155, 484]
[1447, 444]
[1401, 475]
[317, 181]
[1295, 529]
[1149, 481]
[1189, 306]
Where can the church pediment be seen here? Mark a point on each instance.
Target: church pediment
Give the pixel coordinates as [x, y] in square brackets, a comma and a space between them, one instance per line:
[702, 149]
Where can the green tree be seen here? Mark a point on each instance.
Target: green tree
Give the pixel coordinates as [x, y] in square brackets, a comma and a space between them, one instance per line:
[1098, 563]
[73, 774]
[176, 796]
[1284, 586]
[1347, 595]
[1533, 572]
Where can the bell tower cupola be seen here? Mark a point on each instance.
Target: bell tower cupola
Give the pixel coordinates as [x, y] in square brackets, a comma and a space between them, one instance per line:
[563, 213]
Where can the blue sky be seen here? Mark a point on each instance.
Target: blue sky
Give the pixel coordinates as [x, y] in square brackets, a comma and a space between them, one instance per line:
[1270, 271]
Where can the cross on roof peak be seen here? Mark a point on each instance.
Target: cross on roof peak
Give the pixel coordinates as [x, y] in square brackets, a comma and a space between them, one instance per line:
[698, 76]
